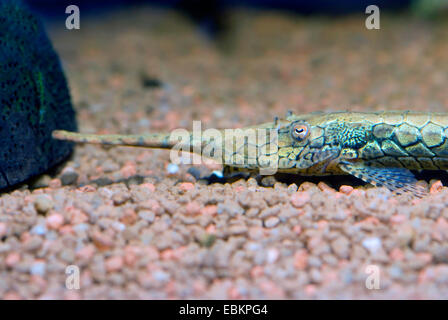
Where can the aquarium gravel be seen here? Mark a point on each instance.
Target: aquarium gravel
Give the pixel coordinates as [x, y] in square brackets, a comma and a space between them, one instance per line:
[137, 226]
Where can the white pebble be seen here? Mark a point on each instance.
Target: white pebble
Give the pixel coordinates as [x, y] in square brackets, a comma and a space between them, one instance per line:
[38, 268]
[271, 222]
[272, 255]
[81, 227]
[161, 276]
[372, 244]
[172, 168]
[147, 215]
[253, 246]
[118, 226]
[39, 230]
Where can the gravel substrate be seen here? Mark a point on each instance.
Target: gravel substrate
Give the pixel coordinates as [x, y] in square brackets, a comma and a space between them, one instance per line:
[137, 226]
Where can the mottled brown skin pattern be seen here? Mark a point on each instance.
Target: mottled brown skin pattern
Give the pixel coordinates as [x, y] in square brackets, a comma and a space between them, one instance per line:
[377, 147]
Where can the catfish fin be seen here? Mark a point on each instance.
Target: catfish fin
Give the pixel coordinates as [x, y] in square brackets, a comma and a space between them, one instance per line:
[397, 180]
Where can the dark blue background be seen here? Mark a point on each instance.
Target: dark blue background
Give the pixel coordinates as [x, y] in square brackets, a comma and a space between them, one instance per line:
[301, 6]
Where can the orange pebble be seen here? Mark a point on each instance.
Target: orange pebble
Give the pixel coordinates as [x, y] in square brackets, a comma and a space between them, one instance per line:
[129, 216]
[324, 187]
[436, 187]
[301, 259]
[185, 186]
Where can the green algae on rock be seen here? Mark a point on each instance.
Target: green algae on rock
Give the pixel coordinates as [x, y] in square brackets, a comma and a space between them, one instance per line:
[34, 97]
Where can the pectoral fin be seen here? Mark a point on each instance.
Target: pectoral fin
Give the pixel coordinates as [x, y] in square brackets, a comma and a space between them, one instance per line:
[398, 180]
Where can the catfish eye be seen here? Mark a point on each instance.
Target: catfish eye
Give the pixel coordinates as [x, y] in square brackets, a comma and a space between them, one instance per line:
[300, 131]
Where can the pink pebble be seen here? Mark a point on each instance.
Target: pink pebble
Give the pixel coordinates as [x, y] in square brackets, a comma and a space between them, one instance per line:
[149, 186]
[66, 229]
[38, 281]
[396, 254]
[272, 290]
[192, 208]
[12, 259]
[152, 205]
[257, 271]
[239, 188]
[440, 229]
[167, 254]
[209, 210]
[299, 199]
[3, 229]
[12, 296]
[398, 219]
[54, 221]
[357, 193]
[424, 257]
[128, 170]
[72, 295]
[346, 189]
[234, 294]
[77, 216]
[185, 186]
[322, 224]
[130, 256]
[211, 229]
[310, 290]
[114, 263]
[199, 287]
[86, 253]
[297, 229]
[151, 253]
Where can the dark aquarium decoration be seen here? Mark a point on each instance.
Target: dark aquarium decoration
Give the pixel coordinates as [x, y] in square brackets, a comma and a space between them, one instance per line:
[34, 97]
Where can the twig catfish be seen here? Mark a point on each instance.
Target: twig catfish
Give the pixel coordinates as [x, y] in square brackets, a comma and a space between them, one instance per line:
[379, 147]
